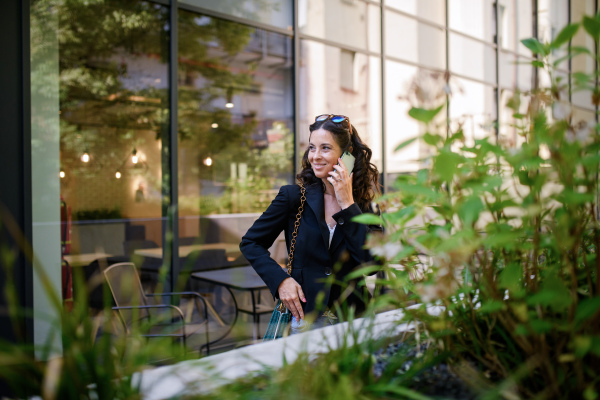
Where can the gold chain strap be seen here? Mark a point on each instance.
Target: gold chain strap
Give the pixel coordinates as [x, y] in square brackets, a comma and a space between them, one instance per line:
[296, 226]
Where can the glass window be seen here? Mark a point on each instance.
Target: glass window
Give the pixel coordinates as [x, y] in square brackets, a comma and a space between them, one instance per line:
[45, 185]
[412, 41]
[399, 126]
[553, 15]
[352, 23]
[277, 13]
[473, 17]
[581, 115]
[514, 24]
[472, 58]
[508, 133]
[515, 72]
[322, 91]
[236, 135]
[582, 63]
[473, 108]
[113, 113]
[432, 10]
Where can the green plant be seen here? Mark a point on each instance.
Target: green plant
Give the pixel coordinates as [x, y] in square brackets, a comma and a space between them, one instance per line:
[506, 240]
[93, 359]
[343, 373]
[97, 214]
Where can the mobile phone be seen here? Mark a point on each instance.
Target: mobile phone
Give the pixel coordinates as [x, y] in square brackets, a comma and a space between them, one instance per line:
[348, 160]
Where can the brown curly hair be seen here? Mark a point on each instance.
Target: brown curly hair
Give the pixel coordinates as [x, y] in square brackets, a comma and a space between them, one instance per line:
[365, 178]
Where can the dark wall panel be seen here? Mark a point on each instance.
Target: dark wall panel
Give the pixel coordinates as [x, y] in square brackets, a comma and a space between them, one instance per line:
[15, 181]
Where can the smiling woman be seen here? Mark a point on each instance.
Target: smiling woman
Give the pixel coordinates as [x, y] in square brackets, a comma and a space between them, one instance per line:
[328, 240]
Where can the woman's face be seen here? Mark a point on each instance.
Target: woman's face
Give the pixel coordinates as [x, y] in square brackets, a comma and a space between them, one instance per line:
[323, 153]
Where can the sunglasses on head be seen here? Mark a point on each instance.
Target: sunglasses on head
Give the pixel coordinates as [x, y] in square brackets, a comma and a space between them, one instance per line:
[334, 118]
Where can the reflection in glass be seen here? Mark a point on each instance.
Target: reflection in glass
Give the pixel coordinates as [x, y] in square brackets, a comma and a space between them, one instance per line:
[326, 75]
[277, 13]
[113, 111]
[433, 10]
[412, 41]
[354, 23]
[235, 125]
[473, 17]
[472, 58]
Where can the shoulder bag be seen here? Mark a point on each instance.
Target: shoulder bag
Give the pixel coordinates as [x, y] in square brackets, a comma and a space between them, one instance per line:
[281, 317]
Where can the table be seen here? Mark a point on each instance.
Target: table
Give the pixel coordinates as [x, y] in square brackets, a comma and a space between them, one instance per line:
[81, 260]
[231, 249]
[240, 278]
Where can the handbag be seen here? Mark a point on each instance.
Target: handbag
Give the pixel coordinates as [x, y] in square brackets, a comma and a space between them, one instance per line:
[281, 317]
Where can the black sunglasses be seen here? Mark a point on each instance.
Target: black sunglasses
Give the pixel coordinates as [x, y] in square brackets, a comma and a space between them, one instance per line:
[334, 118]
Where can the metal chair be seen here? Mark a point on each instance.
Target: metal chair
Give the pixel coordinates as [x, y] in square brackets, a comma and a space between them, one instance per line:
[157, 319]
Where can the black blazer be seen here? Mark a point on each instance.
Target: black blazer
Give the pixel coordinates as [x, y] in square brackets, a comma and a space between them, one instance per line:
[312, 254]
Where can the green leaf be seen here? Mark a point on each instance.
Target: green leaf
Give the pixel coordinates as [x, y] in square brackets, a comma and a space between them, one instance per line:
[564, 35]
[400, 214]
[587, 308]
[580, 50]
[521, 330]
[535, 46]
[540, 326]
[404, 392]
[470, 209]
[591, 160]
[368, 270]
[491, 307]
[506, 239]
[502, 205]
[446, 164]
[596, 345]
[591, 26]
[368, 219]
[554, 294]
[570, 197]
[511, 278]
[405, 143]
[417, 190]
[432, 140]
[538, 64]
[424, 115]
[582, 345]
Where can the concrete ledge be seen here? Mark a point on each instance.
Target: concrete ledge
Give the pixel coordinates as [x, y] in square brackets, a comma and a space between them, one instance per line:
[207, 374]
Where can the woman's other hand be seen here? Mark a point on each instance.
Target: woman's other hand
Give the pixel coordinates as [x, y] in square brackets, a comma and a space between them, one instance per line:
[342, 184]
[290, 294]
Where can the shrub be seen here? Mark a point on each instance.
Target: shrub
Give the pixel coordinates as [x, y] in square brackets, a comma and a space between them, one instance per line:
[506, 240]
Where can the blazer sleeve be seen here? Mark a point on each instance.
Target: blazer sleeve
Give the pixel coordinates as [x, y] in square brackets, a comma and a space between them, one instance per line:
[260, 237]
[355, 234]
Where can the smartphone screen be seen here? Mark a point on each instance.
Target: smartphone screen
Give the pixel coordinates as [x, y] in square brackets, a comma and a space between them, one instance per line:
[348, 160]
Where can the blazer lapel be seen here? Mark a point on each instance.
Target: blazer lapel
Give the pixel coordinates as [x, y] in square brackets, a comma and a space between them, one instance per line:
[314, 199]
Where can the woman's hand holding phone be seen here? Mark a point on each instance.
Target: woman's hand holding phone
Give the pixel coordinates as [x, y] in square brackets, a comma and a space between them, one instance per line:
[341, 180]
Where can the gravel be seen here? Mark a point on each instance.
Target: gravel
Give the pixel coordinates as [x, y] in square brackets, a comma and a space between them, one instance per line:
[435, 381]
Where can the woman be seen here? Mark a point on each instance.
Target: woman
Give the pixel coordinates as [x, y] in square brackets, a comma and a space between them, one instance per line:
[327, 238]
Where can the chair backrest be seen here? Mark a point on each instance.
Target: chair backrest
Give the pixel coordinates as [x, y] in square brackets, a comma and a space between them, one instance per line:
[94, 281]
[126, 288]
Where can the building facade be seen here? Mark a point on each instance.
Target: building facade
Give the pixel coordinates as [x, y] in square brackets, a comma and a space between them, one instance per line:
[158, 124]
